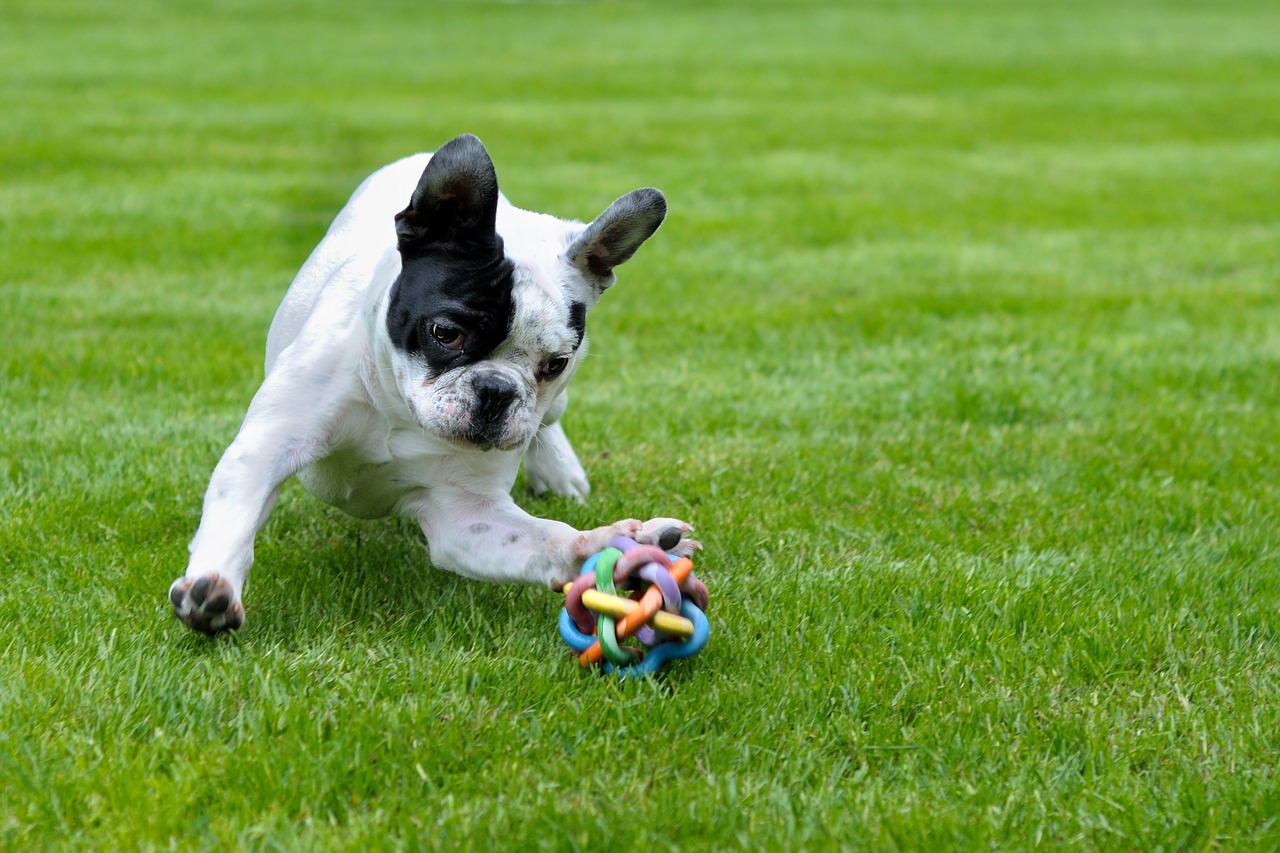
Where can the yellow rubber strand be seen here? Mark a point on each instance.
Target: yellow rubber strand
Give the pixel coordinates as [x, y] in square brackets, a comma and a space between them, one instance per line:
[618, 607]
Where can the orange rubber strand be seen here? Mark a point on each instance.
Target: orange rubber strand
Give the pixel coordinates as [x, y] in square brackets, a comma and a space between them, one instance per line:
[649, 604]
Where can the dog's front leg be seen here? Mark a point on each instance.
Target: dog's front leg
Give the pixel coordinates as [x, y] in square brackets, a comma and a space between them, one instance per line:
[550, 462]
[282, 432]
[490, 538]
[552, 466]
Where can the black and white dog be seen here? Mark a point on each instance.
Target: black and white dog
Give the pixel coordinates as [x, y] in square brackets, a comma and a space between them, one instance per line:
[419, 355]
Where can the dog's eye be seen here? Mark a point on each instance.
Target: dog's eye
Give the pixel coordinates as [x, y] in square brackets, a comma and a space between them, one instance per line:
[554, 367]
[449, 337]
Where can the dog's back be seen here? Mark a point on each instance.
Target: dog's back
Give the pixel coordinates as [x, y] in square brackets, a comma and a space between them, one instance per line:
[362, 236]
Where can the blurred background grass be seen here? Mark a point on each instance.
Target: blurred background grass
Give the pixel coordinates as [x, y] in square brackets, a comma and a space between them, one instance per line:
[965, 322]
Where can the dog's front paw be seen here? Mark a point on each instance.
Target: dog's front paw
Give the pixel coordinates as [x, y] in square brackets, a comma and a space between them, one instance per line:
[586, 543]
[208, 604]
[669, 534]
[593, 541]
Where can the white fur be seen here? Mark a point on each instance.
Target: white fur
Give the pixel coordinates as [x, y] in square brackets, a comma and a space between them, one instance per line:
[368, 431]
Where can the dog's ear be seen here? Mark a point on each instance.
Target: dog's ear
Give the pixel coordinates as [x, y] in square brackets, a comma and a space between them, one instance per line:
[456, 200]
[616, 234]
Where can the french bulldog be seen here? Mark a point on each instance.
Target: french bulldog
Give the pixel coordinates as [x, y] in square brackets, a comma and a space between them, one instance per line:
[421, 353]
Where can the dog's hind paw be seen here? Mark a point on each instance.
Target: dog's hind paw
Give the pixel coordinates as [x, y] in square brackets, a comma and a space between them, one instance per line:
[208, 604]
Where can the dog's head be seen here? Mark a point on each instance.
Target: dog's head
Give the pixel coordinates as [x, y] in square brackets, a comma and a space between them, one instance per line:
[488, 331]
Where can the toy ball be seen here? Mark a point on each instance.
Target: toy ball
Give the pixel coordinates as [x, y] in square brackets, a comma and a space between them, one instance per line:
[663, 613]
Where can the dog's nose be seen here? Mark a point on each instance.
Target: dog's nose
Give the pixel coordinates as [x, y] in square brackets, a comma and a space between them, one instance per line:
[493, 395]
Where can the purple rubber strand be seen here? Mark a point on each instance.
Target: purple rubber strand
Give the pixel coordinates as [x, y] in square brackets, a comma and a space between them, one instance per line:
[661, 578]
[641, 555]
[649, 560]
[642, 558]
[622, 543]
[657, 575]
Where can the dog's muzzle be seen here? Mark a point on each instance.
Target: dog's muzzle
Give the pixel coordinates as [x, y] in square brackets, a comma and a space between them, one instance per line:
[494, 397]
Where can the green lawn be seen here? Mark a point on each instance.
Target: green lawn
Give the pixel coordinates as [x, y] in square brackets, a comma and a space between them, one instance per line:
[966, 321]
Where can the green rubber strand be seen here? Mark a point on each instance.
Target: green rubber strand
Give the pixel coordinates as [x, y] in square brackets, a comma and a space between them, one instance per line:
[606, 631]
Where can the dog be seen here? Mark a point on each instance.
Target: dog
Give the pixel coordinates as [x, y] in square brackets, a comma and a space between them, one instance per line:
[421, 353]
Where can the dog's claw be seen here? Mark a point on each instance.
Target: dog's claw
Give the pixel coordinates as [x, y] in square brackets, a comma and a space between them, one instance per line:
[208, 604]
[685, 548]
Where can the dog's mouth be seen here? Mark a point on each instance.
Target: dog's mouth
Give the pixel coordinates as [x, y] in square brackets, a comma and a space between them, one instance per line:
[487, 444]
[483, 439]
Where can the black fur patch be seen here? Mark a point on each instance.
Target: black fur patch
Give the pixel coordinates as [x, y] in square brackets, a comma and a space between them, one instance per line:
[578, 322]
[468, 289]
[454, 277]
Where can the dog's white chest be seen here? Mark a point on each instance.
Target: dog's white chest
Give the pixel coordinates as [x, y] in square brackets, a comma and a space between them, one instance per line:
[382, 462]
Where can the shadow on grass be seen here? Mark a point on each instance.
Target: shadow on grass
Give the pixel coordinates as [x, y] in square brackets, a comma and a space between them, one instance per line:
[321, 575]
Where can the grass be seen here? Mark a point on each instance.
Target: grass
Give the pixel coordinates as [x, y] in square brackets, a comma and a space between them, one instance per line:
[966, 325]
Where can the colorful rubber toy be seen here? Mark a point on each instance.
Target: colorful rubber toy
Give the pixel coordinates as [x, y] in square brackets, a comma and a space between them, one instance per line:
[664, 611]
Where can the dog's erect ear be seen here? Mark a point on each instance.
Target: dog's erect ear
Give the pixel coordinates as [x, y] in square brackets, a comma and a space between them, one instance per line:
[456, 200]
[616, 234]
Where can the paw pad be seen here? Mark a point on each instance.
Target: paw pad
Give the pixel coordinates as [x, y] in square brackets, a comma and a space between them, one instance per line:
[207, 604]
